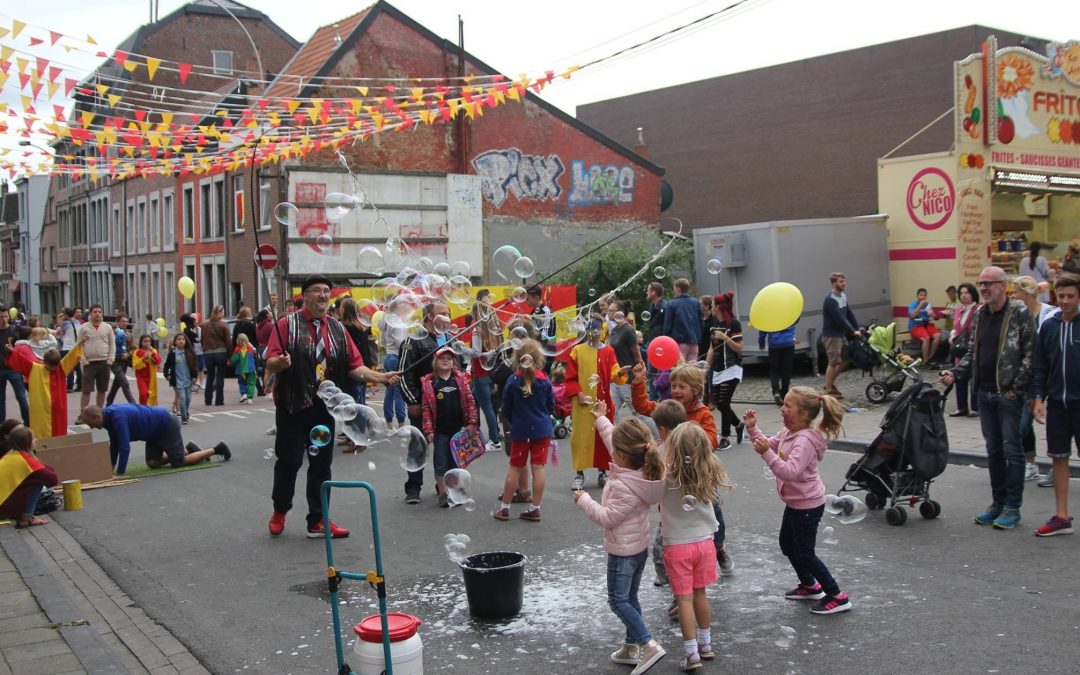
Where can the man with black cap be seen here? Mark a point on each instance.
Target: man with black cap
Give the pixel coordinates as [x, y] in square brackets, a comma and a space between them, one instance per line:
[306, 348]
[416, 354]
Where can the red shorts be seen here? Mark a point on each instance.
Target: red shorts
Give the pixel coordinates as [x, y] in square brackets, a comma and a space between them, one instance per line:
[535, 451]
[690, 566]
[924, 332]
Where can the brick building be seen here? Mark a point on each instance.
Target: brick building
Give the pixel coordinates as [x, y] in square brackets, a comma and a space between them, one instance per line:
[521, 173]
[797, 140]
[119, 243]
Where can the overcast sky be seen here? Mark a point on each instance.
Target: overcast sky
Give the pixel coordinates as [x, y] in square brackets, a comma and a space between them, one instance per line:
[517, 37]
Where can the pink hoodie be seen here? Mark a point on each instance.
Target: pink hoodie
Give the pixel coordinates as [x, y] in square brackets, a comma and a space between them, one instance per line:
[793, 459]
[624, 508]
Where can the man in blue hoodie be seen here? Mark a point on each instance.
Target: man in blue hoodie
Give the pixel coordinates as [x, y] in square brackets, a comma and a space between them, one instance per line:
[683, 320]
[837, 325]
[1056, 380]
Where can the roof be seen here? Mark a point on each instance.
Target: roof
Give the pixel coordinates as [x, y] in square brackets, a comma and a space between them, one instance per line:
[314, 55]
[320, 54]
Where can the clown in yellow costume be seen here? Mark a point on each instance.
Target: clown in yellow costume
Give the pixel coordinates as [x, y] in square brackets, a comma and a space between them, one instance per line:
[146, 362]
[47, 386]
[589, 374]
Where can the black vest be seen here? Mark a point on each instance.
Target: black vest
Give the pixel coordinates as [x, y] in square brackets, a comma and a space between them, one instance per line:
[296, 386]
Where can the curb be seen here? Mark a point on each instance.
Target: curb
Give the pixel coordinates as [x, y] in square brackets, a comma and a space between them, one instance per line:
[85, 641]
[956, 457]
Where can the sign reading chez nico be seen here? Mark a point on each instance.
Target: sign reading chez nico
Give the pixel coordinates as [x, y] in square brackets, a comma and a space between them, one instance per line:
[931, 198]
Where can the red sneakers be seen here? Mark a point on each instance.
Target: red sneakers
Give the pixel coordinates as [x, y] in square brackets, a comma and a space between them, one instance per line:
[336, 532]
[277, 523]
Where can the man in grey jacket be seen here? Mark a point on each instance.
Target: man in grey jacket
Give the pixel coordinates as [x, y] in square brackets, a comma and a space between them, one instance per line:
[837, 326]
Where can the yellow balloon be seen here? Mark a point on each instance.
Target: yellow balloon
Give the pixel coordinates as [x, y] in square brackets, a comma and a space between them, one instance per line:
[186, 287]
[160, 322]
[776, 307]
[13, 313]
[183, 326]
[375, 332]
[163, 332]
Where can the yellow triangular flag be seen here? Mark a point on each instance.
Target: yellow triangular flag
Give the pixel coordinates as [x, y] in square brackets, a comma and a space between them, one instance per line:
[53, 86]
[6, 52]
[17, 27]
[114, 99]
[22, 63]
[90, 40]
[363, 90]
[101, 89]
[152, 66]
[291, 105]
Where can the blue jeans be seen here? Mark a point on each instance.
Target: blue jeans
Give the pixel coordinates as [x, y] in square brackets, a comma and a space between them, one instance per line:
[481, 388]
[32, 502]
[183, 395]
[18, 385]
[623, 580]
[1000, 420]
[393, 402]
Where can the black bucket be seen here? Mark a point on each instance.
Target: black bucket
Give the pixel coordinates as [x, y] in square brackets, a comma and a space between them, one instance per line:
[494, 583]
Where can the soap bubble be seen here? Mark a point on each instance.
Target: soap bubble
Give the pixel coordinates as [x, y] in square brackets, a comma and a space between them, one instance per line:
[592, 292]
[313, 450]
[689, 502]
[524, 267]
[457, 546]
[441, 324]
[370, 260]
[589, 400]
[852, 510]
[618, 316]
[701, 365]
[367, 309]
[787, 637]
[366, 428]
[646, 315]
[442, 269]
[659, 351]
[767, 473]
[458, 483]
[461, 267]
[594, 381]
[286, 213]
[412, 446]
[371, 466]
[713, 266]
[346, 412]
[659, 272]
[828, 535]
[393, 244]
[526, 361]
[434, 285]
[503, 261]
[831, 505]
[320, 435]
[459, 290]
[518, 295]
[417, 332]
[518, 336]
[268, 453]
[577, 327]
[424, 265]
[338, 205]
[327, 389]
[404, 310]
[541, 322]
[324, 242]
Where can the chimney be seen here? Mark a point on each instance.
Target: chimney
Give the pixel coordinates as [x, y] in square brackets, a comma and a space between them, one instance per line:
[641, 148]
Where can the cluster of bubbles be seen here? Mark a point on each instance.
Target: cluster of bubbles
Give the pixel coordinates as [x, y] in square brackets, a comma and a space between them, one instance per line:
[847, 508]
[787, 637]
[457, 546]
[363, 426]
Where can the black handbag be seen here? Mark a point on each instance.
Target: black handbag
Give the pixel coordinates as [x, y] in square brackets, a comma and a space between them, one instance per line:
[960, 346]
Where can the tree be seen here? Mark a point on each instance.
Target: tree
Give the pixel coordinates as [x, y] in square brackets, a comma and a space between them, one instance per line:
[618, 261]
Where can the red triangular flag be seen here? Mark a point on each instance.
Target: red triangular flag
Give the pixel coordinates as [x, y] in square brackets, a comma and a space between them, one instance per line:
[54, 36]
[58, 111]
[185, 69]
[140, 115]
[69, 84]
[120, 57]
[54, 72]
[36, 41]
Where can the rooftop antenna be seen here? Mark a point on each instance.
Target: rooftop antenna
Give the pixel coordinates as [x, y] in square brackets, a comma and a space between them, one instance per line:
[641, 135]
[337, 36]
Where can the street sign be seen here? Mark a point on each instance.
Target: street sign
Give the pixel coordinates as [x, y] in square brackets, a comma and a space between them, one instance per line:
[266, 257]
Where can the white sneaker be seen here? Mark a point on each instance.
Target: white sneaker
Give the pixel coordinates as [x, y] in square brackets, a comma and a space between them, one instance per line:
[243, 399]
[272, 431]
[494, 446]
[648, 656]
[1032, 472]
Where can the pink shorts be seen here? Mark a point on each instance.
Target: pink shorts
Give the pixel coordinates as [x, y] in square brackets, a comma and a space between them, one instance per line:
[690, 566]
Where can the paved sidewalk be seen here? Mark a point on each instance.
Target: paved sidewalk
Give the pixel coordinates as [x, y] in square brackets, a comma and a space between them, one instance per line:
[60, 613]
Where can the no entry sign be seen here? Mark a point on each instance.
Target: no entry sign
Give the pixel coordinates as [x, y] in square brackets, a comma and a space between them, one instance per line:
[266, 257]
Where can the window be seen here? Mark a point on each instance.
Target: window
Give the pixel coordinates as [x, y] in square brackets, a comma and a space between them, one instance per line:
[207, 286]
[140, 226]
[155, 293]
[265, 207]
[205, 210]
[117, 231]
[236, 297]
[155, 224]
[189, 214]
[220, 203]
[219, 283]
[129, 226]
[168, 222]
[170, 293]
[239, 211]
[189, 272]
[223, 62]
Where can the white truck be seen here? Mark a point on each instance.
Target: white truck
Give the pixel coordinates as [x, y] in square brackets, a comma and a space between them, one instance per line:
[803, 253]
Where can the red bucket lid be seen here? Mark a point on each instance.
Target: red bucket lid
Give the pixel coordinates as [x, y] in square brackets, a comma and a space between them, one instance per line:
[401, 627]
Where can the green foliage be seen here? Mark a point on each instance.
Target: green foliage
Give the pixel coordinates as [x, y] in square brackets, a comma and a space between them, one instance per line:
[611, 265]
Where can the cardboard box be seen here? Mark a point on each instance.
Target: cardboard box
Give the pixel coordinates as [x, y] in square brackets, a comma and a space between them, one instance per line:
[77, 456]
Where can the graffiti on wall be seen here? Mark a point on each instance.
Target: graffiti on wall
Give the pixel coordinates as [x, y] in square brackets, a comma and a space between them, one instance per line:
[600, 184]
[510, 171]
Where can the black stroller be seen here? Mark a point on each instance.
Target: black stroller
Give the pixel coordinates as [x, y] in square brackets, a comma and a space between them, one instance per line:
[911, 450]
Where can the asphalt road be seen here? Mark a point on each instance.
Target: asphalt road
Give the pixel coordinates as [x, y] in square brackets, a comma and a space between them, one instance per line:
[931, 596]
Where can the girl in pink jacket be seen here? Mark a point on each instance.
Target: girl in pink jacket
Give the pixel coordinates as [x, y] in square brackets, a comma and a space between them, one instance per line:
[793, 456]
[635, 483]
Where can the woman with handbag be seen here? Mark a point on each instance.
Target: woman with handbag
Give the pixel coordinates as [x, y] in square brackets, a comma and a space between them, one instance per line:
[960, 342]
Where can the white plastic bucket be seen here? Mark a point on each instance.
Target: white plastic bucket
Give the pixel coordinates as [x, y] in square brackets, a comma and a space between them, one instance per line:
[406, 648]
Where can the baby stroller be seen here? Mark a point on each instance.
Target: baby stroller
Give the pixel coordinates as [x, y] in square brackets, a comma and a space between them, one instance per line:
[889, 369]
[911, 450]
[563, 422]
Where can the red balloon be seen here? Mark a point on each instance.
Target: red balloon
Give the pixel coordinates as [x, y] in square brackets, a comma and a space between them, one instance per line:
[663, 353]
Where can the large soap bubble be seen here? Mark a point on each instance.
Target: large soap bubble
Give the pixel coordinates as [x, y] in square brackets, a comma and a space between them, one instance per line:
[503, 261]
